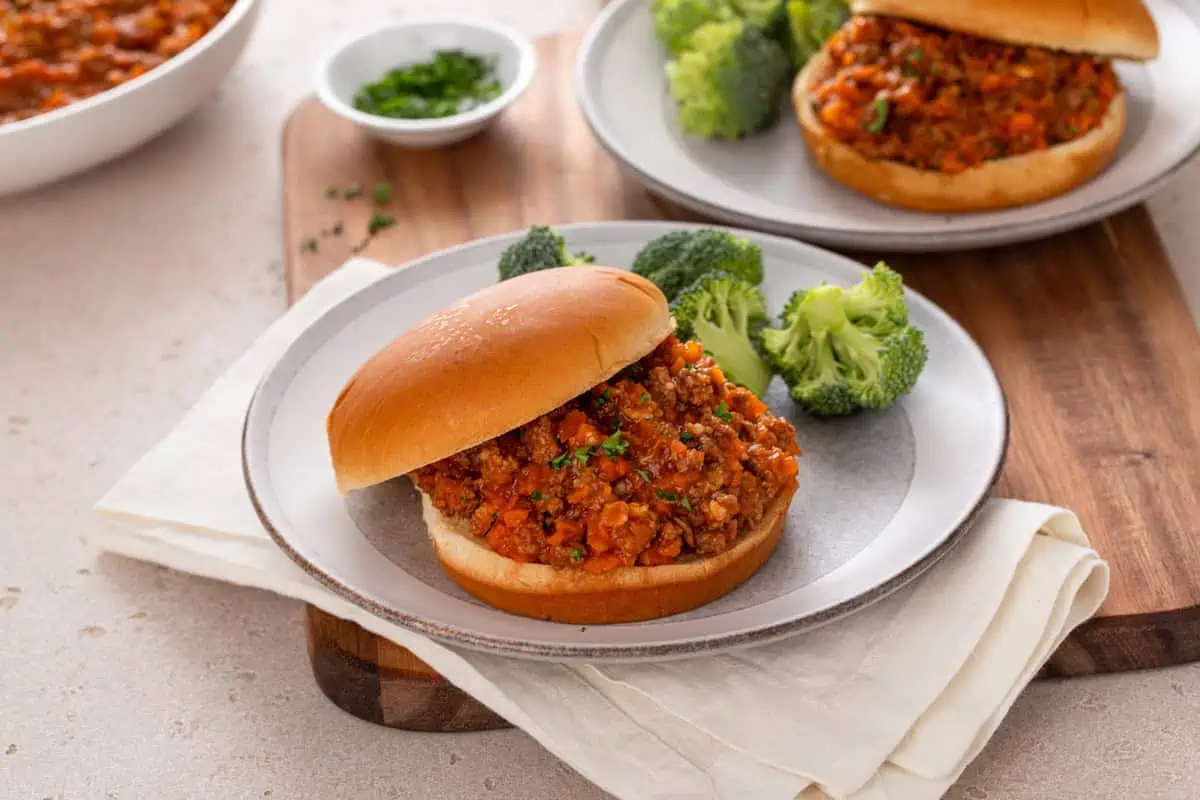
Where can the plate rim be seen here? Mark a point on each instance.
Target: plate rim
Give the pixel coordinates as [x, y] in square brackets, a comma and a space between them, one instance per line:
[858, 239]
[453, 635]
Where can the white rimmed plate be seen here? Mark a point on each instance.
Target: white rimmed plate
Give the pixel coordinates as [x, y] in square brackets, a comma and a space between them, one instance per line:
[767, 182]
[882, 495]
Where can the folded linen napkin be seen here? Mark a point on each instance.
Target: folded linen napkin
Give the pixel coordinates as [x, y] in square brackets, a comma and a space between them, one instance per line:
[892, 702]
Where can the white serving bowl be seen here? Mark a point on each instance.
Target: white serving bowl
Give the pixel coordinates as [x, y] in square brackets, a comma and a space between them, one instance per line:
[69, 140]
[368, 57]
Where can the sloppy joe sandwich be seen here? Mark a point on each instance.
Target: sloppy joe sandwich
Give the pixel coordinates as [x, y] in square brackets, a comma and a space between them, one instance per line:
[576, 461]
[948, 106]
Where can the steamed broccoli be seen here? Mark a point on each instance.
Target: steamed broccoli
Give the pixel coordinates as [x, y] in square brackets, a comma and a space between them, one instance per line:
[810, 23]
[676, 259]
[729, 82]
[845, 349]
[675, 20]
[725, 314]
[766, 15]
[541, 247]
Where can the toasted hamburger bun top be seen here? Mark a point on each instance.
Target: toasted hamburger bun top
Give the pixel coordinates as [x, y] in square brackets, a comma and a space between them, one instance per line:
[1110, 28]
[490, 363]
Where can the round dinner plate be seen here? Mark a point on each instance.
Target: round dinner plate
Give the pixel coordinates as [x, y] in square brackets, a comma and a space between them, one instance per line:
[882, 494]
[768, 182]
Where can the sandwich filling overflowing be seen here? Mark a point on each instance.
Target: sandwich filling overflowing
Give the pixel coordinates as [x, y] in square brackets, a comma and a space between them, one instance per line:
[665, 461]
[947, 101]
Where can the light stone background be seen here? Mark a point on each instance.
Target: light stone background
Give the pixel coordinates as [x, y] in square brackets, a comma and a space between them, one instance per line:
[123, 294]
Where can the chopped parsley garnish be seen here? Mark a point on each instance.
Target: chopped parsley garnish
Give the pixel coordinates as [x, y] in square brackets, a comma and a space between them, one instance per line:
[310, 244]
[687, 504]
[916, 55]
[684, 436]
[879, 109]
[451, 82]
[536, 495]
[645, 398]
[670, 497]
[352, 192]
[560, 460]
[641, 473]
[614, 445]
[337, 229]
[602, 398]
[577, 554]
[689, 366]
[331, 191]
[582, 454]
[722, 411]
[383, 193]
[379, 222]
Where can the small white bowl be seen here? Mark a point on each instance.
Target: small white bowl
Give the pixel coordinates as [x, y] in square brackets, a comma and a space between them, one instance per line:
[368, 57]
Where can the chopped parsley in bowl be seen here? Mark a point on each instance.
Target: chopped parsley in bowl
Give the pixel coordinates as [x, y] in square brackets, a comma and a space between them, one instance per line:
[427, 83]
[451, 82]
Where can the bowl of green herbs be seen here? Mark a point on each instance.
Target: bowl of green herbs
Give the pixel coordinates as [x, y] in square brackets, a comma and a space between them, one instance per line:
[427, 83]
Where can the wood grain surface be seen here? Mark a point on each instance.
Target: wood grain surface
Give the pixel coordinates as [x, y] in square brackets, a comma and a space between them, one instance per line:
[1088, 332]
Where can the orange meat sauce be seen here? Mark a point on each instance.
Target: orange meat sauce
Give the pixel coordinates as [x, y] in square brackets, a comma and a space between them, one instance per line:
[56, 52]
[665, 460]
[946, 101]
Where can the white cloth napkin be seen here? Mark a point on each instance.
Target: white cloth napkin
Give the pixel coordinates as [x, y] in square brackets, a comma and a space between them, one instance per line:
[892, 702]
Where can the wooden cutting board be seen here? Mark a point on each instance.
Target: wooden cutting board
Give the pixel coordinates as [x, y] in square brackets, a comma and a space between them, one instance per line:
[1088, 332]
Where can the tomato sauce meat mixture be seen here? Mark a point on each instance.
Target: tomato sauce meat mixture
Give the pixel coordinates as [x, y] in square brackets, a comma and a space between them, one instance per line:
[57, 52]
[665, 460]
[947, 101]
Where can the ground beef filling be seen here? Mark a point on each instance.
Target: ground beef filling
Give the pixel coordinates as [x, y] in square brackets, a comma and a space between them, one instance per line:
[665, 460]
[945, 101]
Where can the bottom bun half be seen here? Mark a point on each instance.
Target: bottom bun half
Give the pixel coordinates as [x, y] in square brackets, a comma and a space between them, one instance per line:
[626, 594]
[1003, 183]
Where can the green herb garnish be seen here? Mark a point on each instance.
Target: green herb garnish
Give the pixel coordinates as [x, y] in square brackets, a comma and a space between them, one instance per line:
[641, 473]
[880, 111]
[560, 460]
[337, 229]
[582, 454]
[310, 244]
[602, 398]
[670, 497]
[577, 555]
[352, 192]
[644, 398]
[687, 504]
[722, 411]
[684, 436]
[452, 82]
[383, 193]
[614, 445]
[379, 222]
[536, 495]
[331, 191]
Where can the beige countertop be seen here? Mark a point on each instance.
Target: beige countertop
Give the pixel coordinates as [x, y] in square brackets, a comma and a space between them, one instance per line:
[125, 292]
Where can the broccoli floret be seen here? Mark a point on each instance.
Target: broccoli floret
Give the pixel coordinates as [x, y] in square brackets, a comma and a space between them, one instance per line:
[845, 349]
[677, 259]
[730, 81]
[810, 23]
[540, 248]
[676, 20]
[725, 314]
[766, 15]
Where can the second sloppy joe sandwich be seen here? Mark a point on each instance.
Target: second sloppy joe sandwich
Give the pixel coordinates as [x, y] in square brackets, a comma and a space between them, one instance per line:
[946, 105]
[576, 461]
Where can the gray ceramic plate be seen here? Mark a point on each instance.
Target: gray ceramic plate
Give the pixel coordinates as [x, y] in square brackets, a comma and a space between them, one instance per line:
[767, 181]
[881, 496]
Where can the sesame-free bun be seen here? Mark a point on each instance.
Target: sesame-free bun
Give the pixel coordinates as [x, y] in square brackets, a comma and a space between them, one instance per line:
[1110, 28]
[625, 594]
[1002, 183]
[487, 364]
